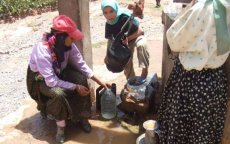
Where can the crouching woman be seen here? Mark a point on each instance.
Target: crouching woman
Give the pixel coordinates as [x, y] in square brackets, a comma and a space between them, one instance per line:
[57, 76]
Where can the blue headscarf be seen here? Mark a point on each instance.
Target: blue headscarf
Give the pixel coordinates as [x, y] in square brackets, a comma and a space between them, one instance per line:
[119, 11]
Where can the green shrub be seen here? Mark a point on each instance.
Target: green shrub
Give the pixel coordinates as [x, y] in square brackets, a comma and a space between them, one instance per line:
[11, 7]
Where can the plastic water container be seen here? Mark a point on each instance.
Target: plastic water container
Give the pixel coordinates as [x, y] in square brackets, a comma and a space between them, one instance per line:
[151, 135]
[108, 104]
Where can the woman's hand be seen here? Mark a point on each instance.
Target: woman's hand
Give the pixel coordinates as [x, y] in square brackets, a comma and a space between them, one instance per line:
[194, 2]
[82, 90]
[106, 60]
[125, 40]
[105, 85]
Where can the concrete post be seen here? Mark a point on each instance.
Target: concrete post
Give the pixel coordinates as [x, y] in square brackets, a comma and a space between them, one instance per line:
[226, 136]
[78, 10]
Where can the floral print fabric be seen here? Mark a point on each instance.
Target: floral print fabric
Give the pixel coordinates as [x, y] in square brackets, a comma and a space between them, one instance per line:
[193, 106]
[193, 35]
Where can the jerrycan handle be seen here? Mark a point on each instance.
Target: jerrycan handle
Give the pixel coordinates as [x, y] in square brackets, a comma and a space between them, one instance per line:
[114, 88]
[98, 98]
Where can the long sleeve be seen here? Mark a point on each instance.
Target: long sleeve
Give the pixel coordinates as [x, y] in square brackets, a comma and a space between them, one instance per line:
[41, 62]
[77, 61]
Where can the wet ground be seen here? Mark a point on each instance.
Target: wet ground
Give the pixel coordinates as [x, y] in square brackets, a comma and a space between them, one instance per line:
[25, 125]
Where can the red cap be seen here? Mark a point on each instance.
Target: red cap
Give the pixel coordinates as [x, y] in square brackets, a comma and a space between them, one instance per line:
[63, 23]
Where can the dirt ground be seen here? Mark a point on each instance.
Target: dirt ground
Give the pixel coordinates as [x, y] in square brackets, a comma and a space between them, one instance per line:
[26, 126]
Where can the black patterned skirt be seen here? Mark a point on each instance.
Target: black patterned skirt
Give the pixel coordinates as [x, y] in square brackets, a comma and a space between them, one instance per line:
[193, 107]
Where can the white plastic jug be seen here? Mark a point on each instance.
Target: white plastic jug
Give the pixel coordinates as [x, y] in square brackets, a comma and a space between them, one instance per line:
[108, 104]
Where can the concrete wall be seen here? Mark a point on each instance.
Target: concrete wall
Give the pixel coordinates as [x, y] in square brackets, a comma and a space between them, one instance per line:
[167, 59]
[226, 136]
